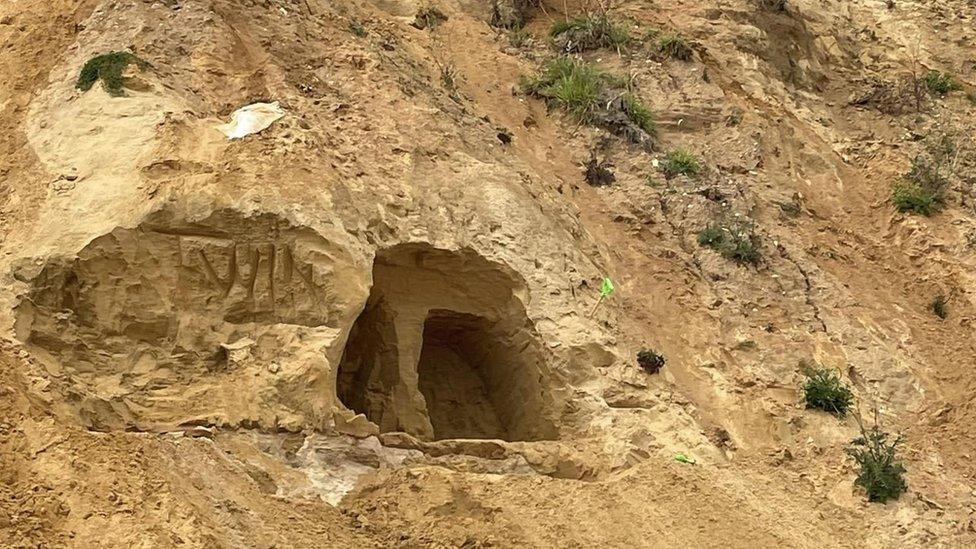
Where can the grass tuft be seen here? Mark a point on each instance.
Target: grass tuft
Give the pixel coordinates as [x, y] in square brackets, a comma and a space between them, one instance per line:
[108, 68]
[588, 32]
[825, 390]
[732, 239]
[639, 114]
[940, 83]
[594, 97]
[570, 84]
[681, 162]
[675, 47]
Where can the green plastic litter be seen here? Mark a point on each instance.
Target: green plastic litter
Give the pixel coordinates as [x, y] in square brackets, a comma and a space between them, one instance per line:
[684, 459]
[606, 288]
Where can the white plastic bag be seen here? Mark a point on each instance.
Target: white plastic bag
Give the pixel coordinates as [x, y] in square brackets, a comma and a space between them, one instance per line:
[252, 119]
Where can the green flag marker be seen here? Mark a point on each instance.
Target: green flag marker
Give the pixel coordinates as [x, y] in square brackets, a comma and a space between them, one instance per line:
[684, 459]
[606, 288]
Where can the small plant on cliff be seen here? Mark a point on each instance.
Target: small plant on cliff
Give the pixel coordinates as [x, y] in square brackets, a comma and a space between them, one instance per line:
[519, 37]
[598, 172]
[511, 14]
[773, 5]
[939, 306]
[910, 196]
[428, 17]
[650, 361]
[881, 473]
[571, 84]
[680, 162]
[732, 239]
[587, 32]
[825, 390]
[450, 78]
[108, 68]
[940, 83]
[357, 28]
[675, 47]
[923, 188]
[594, 97]
[639, 114]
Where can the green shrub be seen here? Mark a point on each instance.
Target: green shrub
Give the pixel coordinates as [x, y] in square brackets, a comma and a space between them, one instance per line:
[587, 32]
[909, 196]
[825, 390]
[939, 306]
[675, 47]
[940, 83]
[570, 84]
[639, 114]
[922, 190]
[881, 474]
[680, 161]
[732, 239]
[357, 28]
[108, 68]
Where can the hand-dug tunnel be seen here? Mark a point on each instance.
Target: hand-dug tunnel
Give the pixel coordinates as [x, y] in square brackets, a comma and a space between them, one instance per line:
[444, 349]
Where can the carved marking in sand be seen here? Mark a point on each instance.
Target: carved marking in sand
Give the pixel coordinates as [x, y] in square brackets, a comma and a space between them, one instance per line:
[266, 272]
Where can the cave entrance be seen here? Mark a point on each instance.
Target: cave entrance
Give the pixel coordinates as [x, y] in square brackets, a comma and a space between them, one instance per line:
[462, 379]
[444, 349]
[368, 373]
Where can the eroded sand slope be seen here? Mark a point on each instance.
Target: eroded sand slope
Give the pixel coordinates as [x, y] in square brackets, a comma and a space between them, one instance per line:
[373, 324]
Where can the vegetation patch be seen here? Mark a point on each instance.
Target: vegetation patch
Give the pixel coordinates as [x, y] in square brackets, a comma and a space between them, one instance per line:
[681, 162]
[939, 306]
[940, 83]
[511, 14]
[923, 189]
[519, 38]
[773, 5]
[733, 239]
[428, 17]
[793, 207]
[675, 47]
[881, 474]
[650, 361]
[587, 32]
[825, 390]
[450, 78]
[597, 172]
[910, 196]
[639, 114]
[108, 68]
[569, 84]
[592, 96]
[357, 29]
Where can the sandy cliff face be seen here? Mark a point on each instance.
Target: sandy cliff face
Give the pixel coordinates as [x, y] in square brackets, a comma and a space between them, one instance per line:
[373, 323]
